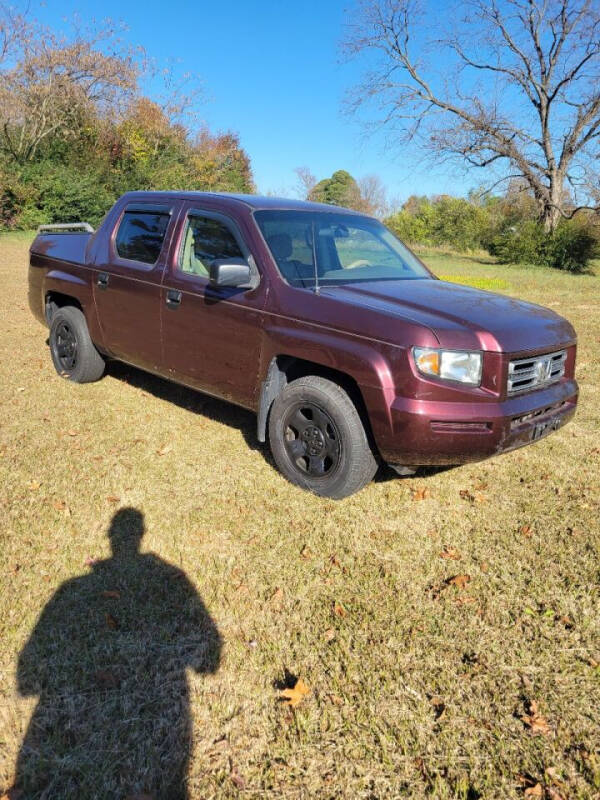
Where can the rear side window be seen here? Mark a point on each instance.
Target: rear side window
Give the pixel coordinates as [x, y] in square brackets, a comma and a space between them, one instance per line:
[205, 241]
[141, 234]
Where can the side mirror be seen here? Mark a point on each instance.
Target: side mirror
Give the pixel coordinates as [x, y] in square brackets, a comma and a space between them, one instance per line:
[230, 272]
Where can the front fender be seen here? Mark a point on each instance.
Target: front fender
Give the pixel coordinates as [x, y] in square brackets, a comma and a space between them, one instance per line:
[368, 363]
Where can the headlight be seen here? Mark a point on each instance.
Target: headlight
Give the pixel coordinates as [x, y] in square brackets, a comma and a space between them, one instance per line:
[450, 365]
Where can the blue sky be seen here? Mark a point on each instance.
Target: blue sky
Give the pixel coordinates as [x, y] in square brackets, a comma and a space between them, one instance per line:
[273, 73]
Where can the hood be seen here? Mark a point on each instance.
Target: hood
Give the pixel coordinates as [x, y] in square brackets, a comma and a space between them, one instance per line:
[461, 317]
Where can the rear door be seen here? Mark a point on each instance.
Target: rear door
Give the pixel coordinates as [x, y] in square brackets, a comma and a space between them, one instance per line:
[127, 287]
[211, 336]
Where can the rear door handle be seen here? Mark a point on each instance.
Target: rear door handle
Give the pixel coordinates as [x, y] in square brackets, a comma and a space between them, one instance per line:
[173, 298]
[102, 280]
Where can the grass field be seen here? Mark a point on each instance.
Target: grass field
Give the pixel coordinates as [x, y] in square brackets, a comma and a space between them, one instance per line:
[487, 686]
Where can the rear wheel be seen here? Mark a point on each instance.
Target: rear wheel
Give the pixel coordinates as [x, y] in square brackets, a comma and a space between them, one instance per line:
[318, 440]
[73, 353]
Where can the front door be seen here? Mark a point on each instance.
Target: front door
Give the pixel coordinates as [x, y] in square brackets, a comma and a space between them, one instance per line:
[211, 336]
[127, 288]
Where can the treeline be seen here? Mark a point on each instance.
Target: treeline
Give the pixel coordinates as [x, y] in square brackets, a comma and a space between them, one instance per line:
[506, 226]
[76, 131]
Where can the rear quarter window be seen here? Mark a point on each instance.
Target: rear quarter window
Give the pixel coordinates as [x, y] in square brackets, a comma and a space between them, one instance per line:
[141, 234]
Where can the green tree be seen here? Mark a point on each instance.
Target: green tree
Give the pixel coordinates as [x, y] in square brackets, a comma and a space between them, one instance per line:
[339, 190]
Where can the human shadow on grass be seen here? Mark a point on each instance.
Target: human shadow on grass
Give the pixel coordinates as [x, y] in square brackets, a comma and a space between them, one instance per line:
[107, 659]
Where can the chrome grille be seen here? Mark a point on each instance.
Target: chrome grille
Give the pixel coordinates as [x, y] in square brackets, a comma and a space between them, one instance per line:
[532, 373]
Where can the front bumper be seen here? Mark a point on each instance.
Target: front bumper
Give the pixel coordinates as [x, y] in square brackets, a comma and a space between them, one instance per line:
[434, 432]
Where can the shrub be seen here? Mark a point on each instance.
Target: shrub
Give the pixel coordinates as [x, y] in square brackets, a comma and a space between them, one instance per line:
[451, 221]
[407, 227]
[522, 244]
[569, 248]
[68, 194]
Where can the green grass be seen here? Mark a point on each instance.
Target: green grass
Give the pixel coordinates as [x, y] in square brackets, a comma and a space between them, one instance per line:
[491, 284]
[418, 687]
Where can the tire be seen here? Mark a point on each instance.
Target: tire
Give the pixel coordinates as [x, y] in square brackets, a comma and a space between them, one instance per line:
[318, 440]
[73, 353]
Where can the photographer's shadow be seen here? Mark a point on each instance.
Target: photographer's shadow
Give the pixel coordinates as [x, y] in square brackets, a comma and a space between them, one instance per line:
[108, 659]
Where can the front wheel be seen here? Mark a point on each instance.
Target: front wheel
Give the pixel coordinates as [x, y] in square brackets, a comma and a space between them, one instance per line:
[318, 440]
[73, 353]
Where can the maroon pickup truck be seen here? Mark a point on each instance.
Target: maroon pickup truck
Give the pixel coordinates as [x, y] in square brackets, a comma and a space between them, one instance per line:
[316, 318]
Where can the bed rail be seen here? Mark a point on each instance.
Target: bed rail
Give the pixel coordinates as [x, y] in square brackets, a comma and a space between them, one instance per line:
[66, 227]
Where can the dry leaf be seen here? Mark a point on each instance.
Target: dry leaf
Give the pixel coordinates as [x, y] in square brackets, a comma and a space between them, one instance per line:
[526, 531]
[306, 552]
[460, 581]
[112, 593]
[450, 552]
[277, 598]
[237, 780]
[483, 566]
[73, 433]
[164, 450]
[481, 486]
[534, 791]
[90, 561]
[421, 494]
[59, 505]
[464, 600]
[537, 724]
[293, 697]
[339, 610]
[465, 494]
[439, 707]
[34, 486]
[112, 498]
[568, 623]
[336, 699]
[111, 622]
[329, 635]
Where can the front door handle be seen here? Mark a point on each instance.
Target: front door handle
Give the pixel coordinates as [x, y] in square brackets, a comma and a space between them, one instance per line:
[102, 280]
[173, 298]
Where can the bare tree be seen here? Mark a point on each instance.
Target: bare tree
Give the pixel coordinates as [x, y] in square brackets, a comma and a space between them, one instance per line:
[49, 83]
[13, 31]
[306, 182]
[373, 195]
[520, 93]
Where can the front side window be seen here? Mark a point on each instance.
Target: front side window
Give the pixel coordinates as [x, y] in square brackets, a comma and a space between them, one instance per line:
[206, 240]
[141, 235]
[340, 248]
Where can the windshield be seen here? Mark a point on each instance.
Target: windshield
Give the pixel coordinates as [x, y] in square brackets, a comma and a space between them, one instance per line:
[347, 248]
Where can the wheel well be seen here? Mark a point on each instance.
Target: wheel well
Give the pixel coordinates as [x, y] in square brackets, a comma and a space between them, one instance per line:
[285, 369]
[56, 300]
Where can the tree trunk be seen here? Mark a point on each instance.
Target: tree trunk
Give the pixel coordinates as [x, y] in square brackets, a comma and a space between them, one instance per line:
[551, 205]
[550, 218]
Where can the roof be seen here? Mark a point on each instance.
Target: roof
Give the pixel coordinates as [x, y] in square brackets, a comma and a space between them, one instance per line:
[254, 201]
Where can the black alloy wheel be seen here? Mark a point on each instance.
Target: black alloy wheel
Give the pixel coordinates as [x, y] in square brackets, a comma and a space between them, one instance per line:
[318, 439]
[74, 355]
[65, 344]
[312, 440]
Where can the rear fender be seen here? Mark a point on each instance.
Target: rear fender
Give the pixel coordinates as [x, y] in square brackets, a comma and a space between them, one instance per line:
[77, 286]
